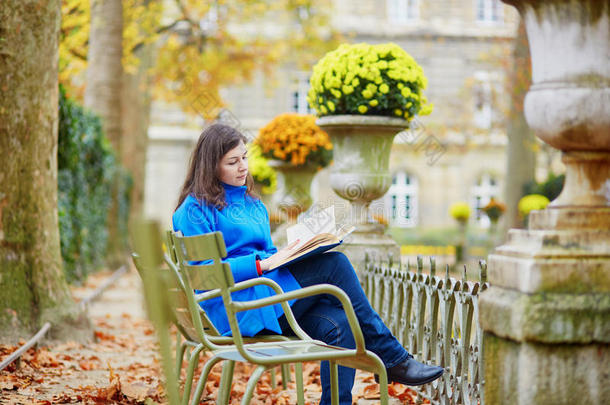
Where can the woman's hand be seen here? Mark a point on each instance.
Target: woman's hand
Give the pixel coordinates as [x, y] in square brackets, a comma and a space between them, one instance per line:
[279, 256]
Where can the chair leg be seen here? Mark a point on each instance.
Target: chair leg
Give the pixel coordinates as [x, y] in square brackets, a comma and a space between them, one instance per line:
[251, 384]
[188, 382]
[334, 383]
[298, 375]
[383, 388]
[180, 350]
[285, 375]
[273, 379]
[203, 378]
[226, 381]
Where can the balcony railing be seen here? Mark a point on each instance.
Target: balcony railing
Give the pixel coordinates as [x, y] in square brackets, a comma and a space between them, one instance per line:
[435, 318]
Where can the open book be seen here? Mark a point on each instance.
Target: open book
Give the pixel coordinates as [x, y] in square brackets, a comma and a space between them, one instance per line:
[317, 232]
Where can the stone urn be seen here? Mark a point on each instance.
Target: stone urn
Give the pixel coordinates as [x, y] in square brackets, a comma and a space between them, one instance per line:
[546, 316]
[360, 174]
[293, 194]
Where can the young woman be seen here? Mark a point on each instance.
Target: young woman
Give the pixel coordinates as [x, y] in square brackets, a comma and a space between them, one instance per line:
[217, 196]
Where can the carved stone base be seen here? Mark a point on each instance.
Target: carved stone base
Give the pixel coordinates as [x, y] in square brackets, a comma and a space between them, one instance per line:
[372, 241]
[546, 316]
[526, 373]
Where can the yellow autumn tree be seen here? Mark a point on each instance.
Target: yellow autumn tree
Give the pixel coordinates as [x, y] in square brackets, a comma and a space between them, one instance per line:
[184, 51]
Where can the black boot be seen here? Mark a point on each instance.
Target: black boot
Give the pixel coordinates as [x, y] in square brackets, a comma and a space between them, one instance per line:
[412, 372]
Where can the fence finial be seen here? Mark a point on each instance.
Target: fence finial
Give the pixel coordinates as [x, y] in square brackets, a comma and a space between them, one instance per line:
[465, 275]
[432, 266]
[420, 264]
[483, 271]
[447, 276]
[390, 260]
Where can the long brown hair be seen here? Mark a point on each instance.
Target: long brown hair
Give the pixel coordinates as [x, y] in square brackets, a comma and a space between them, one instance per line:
[202, 180]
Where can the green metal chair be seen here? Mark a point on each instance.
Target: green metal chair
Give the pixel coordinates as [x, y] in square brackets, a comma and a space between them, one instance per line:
[146, 241]
[216, 277]
[184, 323]
[178, 313]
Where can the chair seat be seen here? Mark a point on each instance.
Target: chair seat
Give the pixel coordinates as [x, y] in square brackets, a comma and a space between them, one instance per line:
[313, 350]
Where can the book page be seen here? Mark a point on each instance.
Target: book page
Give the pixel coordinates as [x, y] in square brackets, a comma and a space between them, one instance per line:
[314, 222]
[316, 232]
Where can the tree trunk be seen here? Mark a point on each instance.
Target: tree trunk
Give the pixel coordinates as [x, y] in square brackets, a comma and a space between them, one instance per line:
[521, 160]
[136, 119]
[32, 284]
[103, 94]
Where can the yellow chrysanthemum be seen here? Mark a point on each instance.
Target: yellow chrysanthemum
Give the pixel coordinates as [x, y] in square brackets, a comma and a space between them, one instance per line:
[354, 75]
[295, 138]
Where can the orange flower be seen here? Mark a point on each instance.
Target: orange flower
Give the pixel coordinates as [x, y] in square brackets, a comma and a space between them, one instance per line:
[295, 138]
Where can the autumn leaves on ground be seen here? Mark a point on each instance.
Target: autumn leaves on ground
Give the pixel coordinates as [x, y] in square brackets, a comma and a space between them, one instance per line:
[122, 365]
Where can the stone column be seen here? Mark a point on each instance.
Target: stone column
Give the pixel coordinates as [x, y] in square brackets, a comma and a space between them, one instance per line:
[546, 317]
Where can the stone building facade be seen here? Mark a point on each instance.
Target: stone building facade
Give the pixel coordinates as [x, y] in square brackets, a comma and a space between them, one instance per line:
[460, 45]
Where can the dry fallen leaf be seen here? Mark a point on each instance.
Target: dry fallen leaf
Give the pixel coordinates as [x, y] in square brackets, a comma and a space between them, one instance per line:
[138, 391]
[371, 391]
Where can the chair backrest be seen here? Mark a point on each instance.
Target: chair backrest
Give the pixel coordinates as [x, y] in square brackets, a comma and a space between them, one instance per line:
[200, 259]
[201, 267]
[184, 320]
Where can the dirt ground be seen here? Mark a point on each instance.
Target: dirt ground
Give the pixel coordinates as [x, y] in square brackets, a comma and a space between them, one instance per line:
[122, 366]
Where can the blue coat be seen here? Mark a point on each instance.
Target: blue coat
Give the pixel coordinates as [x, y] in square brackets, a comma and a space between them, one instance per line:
[244, 224]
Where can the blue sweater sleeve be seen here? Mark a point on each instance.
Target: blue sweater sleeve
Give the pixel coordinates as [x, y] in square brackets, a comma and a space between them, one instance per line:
[270, 248]
[242, 267]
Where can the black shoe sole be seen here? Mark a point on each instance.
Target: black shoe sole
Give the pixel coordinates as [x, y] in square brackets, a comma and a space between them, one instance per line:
[412, 384]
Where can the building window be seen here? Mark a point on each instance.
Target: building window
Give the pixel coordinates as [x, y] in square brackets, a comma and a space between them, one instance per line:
[482, 192]
[402, 11]
[401, 200]
[489, 11]
[300, 87]
[485, 84]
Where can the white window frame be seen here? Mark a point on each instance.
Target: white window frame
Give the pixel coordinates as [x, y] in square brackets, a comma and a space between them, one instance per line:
[489, 11]
[482, 191]
[402, 11]
[404, 187]
[483, 112]
[486, 84]
[298, 93]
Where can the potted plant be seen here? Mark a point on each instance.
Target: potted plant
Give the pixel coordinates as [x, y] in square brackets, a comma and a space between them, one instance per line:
[460, 211]
[297, 148]
[530, 203]
[364, 95]
[494, 210]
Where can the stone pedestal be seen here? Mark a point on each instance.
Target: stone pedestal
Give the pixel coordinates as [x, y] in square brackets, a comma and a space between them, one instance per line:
[546, 317]
[369, 239]
[360, 174]
[293, 195]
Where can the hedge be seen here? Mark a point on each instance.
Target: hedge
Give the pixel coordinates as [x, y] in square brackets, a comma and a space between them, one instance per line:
[87, 172]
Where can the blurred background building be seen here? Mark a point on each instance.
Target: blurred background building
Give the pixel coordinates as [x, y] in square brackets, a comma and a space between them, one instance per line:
[463, 47]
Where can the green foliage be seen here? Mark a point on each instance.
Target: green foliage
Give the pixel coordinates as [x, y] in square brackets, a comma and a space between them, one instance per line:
[437, 236]
[550, 188]
[261, 172]
[368, 79]
[87, 171]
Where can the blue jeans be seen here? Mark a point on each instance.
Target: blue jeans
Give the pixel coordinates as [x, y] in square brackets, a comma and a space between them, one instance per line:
[323, 318]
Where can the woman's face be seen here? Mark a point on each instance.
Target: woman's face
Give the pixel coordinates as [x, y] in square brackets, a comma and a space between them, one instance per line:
[233, 167]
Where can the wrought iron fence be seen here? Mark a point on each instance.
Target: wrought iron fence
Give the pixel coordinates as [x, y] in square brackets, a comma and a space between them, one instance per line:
[435, 318]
